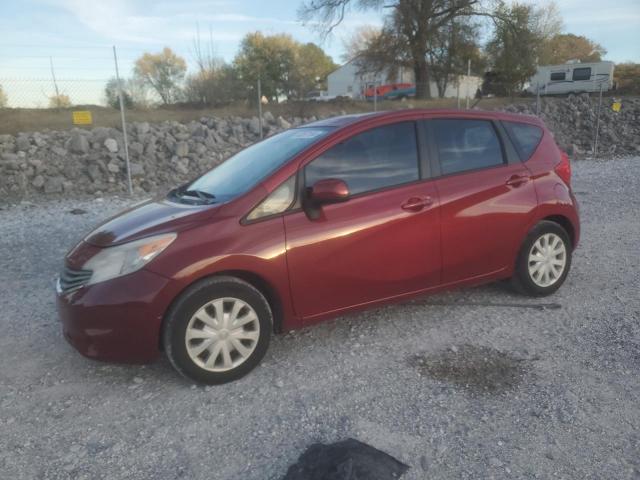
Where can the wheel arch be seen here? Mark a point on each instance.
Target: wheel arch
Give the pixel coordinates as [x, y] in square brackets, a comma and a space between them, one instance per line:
[565, 223]
[262, 285]
[253, 279]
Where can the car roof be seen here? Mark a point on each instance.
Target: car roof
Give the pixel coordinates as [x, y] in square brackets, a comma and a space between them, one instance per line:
[352, 119]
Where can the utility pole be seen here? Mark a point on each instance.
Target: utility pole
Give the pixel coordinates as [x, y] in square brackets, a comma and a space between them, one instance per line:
[124, 125]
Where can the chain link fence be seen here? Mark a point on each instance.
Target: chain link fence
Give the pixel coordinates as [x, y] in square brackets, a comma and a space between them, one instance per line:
[53, 82]
[44, 93]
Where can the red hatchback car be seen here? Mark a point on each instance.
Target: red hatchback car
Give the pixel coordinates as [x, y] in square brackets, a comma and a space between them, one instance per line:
[335, 216]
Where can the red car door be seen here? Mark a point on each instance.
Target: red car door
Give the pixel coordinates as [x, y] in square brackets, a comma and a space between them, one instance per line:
[382, 242]
[487, 197]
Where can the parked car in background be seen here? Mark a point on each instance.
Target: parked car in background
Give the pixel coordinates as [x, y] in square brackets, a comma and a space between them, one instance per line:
[336, 216]
[320, 96]
[382, 90]
[400, 93]
[572, 78]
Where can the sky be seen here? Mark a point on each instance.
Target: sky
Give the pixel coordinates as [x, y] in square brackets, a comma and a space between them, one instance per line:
[78, 35]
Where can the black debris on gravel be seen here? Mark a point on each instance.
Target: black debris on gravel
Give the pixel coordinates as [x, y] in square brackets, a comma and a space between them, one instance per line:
[77, 211]
[346, 460]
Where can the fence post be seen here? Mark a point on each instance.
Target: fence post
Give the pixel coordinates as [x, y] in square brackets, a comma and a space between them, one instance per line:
[260, 106]
[537, 99]
[375, 96]
[124, 124]
[458, 93]
[55, 83]
[467, 80]
[595, 140]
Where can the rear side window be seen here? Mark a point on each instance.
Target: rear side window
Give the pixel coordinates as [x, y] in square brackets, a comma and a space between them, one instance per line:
[581, 73]
[466, 145]
[525, 137]
[378, 158]
[558, 76]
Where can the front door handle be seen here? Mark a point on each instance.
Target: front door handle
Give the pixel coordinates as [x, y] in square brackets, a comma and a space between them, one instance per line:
[415, 204]
[517, 180]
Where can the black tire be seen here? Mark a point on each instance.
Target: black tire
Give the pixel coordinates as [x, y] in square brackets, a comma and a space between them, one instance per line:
[522, 281]
[189, 302]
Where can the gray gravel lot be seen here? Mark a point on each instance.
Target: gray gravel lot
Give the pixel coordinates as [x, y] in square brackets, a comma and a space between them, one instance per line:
[479, 383]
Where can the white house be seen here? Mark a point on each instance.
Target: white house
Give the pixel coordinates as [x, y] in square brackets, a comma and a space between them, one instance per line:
[347, 81]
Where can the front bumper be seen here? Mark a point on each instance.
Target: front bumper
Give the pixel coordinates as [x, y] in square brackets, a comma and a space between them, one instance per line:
[118, 320]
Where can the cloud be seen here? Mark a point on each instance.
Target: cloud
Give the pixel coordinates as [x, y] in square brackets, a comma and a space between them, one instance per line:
[115, 20]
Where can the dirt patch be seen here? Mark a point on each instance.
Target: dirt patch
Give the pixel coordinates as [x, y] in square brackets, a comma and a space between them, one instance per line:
[476, 368]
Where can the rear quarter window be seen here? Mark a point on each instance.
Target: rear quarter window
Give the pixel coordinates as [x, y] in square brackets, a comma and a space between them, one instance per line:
[525, 138]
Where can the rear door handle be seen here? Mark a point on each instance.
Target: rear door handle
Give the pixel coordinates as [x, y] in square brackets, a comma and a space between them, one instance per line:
[517, 180]
[415, 204]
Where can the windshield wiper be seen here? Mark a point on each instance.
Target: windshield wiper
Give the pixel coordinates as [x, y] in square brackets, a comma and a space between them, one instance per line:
[200, 195]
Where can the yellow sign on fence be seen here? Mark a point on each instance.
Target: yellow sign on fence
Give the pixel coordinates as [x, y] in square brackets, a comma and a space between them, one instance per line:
[82, 117]
[616, 106]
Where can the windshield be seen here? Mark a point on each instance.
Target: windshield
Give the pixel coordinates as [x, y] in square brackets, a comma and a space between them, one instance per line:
[246, 168]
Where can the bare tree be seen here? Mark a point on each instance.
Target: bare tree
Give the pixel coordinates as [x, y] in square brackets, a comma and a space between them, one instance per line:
[411, 24]
[359, 41]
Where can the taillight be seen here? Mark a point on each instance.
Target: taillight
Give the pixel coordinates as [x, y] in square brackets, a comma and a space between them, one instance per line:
[563, 169]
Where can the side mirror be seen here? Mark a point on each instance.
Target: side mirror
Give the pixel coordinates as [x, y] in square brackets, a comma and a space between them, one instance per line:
[329, 190]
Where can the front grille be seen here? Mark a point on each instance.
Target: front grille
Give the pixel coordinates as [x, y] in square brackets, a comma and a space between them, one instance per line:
[71, 280]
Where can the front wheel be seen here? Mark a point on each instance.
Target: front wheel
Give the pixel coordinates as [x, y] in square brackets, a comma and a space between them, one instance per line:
[218, 330]
[544, 260]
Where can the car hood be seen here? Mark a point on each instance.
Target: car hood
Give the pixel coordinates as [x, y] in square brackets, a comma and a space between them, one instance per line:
[148, 218]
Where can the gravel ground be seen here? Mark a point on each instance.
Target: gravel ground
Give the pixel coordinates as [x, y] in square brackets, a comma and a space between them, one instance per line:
[479, 383]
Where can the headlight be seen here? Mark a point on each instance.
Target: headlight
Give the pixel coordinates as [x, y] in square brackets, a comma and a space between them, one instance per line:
[113, 262]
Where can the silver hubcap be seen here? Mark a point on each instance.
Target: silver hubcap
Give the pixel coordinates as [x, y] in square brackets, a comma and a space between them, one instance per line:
[222, 334]
[547, 260]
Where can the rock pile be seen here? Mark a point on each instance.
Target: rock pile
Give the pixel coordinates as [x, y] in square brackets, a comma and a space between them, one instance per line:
[81, 162]
[92, 162]
[573, 123]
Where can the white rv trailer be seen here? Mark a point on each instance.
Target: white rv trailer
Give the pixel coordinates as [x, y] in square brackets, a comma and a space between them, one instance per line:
[572, 78]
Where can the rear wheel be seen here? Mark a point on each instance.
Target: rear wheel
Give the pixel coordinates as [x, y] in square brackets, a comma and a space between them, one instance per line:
[544, 260]
[218, 330]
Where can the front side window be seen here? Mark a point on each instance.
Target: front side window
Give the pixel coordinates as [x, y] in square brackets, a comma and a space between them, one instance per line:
[466, 145]
[582, 73]
[246, 168]
[378, 158]
[557, 76]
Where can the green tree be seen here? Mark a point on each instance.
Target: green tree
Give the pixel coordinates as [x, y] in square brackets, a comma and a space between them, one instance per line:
[285, 67]
[4, 101]
[311, 64]
[270, 58]
[163, 72]
[513, 49]
[564, 47]
[111, 94]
